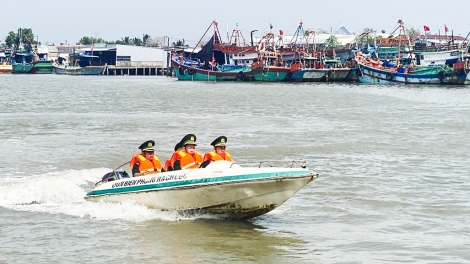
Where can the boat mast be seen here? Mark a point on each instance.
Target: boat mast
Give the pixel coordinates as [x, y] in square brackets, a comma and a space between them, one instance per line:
[399, 41]
[215, 25]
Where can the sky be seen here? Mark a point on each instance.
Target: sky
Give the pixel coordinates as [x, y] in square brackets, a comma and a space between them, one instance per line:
[65, 21]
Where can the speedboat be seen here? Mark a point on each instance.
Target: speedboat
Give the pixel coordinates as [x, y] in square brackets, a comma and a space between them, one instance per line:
[222, 188]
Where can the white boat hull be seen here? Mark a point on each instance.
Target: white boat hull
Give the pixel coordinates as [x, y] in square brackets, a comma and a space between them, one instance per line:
[235, 193]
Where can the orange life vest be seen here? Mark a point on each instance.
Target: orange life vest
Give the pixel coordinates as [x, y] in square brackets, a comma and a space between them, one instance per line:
[213, 156]
[169, 162]
[188, 161]
[146, 165]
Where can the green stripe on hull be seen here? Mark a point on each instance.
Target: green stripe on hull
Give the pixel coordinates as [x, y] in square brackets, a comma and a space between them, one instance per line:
[185, 183]
[195, 77]
[40, 67]
[19, 68]
[210, 75]
[270, 76]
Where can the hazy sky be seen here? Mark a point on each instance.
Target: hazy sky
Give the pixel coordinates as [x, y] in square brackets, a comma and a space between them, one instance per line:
[56, 21]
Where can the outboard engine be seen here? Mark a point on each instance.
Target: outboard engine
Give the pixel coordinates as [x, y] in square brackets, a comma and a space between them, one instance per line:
[114, 175]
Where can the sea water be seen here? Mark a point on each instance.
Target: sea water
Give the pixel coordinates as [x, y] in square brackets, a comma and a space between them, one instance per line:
[393, 164]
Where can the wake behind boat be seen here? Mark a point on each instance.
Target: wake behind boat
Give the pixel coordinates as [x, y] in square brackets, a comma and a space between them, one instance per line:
[222, 188]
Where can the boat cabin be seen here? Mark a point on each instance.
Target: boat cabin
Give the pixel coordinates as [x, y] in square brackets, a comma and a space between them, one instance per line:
[243, 59]
[3, 57]
[22, 58]
[439, 54]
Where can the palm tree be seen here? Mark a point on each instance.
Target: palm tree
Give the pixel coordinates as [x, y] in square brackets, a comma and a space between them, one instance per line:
[178, 43]
[137, 42]
[146, 39]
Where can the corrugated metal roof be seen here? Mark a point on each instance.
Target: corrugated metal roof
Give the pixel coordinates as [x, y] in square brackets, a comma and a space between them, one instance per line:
[343, 31]
[139, 53]
[42, 49]
[52, 49]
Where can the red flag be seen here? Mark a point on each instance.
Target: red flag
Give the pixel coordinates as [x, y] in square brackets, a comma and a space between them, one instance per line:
[446, 28]
[270, 26]
[426, 28]
[281, 32]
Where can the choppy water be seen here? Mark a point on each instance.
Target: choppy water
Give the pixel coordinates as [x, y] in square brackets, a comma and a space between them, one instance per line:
[393, 164]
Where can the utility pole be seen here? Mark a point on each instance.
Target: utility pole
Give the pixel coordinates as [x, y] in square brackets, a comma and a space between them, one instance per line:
[251, 34]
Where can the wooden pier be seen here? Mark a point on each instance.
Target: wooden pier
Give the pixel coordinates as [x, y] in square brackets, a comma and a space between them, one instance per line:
[133, 71]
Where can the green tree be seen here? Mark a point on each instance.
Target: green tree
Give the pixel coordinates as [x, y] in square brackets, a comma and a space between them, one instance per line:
[137, 42]
[412, 32]
[85, 40]
[178, 43]
[367, 36]
[26, 36]
[90, 40]
[10, 39]
[332, 41]
[146, 39]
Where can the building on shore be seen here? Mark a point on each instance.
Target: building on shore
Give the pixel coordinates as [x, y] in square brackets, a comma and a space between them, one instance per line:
[126, 59]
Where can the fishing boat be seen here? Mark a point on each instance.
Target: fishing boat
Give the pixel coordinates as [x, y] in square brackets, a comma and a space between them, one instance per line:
[271, 60]
[396, 45]
[218, 61]
[319, 65]
[26, 59]
[77, 70]
[322, 68]
[193, 70]
[222, 188]
[297, 46]
[80, 64]
[373, 72]
[5, 66]
[31, 66]
[445, 67]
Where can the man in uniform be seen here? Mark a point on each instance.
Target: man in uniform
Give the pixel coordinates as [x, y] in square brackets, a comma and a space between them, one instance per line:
[219, 152]
[146, 162]
[187, 157]
[169, 162]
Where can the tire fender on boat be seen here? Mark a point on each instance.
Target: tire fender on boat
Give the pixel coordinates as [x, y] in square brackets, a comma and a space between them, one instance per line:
[441, 75]
[289, 75]
[241, 75]
[389, 76]
[181, 70]
[330, 71]
[191, 71]
[359, 71]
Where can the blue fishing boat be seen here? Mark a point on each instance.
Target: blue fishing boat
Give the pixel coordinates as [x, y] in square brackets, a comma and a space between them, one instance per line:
[422, 65]
[81, 64]
[77, 70]
[375, 72]
[321, 68]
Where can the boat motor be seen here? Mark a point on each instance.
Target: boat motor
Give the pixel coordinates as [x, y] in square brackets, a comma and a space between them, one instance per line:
[114, 175]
